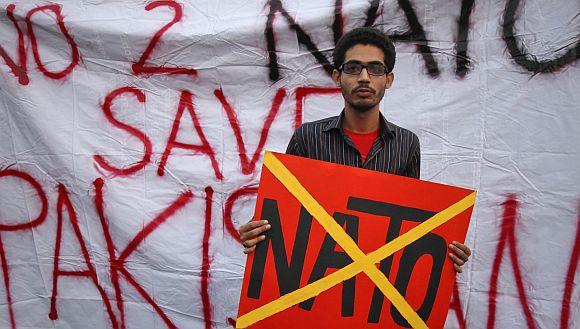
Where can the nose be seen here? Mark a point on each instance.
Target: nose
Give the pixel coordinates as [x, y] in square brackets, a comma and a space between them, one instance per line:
[363, 75]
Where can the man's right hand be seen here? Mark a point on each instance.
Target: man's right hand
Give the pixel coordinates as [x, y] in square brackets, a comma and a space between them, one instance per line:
[251, 234]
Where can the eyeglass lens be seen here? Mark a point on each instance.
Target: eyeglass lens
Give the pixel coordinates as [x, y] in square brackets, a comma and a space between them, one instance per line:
[356, 68]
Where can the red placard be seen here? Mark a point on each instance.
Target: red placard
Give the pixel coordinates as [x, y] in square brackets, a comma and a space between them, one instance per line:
[374, 210]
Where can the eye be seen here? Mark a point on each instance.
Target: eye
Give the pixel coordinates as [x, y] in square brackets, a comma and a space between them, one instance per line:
[352, 67]
[376, 68]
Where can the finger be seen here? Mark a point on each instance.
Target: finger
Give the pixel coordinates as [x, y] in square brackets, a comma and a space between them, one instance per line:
[254, 232]
[457, 268]
[249, 243]
[252, 225]
[249, 250]
[456, 259]
[459, 252]
[252, 242]
[463, 247]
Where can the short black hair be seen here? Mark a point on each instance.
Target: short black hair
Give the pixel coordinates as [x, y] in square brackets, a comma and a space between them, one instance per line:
[365, 36]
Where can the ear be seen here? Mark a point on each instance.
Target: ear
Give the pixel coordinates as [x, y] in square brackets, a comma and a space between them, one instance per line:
[336, 77]
[390, 79]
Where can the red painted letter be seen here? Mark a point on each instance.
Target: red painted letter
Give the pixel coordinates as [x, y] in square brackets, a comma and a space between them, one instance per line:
[248, 165]
[15, 227]
[139, 67]
[301, 93]
[186, 102]
[569, 285]
[205, 259]
[63, 204]
[508, 226]
[228, 223]
[131, 130]
[456, 306]
[19, 70]
[75, 56]
[117, 264]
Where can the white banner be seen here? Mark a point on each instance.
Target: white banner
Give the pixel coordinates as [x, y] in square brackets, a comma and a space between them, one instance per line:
[132, 135]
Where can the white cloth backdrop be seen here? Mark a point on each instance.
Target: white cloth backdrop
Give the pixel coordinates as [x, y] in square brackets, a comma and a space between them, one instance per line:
[492, 94]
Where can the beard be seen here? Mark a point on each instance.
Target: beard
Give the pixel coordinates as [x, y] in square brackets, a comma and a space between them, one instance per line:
[361, 105]
[362, 108]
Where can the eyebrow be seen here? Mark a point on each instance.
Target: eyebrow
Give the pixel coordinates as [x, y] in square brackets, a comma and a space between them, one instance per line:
[359, 62]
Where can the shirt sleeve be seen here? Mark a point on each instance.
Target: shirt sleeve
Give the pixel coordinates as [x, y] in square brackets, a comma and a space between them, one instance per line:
[413, 169]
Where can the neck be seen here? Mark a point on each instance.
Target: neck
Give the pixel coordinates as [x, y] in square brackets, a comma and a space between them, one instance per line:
[361, 122]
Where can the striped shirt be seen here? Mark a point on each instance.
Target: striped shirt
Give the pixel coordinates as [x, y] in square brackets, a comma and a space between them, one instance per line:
[395, 151]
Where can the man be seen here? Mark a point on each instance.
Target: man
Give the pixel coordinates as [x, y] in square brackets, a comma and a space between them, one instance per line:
[360, 136]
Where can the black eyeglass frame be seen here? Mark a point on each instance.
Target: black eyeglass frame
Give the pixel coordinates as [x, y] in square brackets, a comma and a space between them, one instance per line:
[364, 66]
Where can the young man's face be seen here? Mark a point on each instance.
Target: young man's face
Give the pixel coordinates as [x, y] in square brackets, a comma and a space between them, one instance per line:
[363, 92]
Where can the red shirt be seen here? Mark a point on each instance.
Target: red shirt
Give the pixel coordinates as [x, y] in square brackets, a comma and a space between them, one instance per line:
[363, 142]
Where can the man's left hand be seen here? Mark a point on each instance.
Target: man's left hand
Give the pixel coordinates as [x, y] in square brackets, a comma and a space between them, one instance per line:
[459, 255]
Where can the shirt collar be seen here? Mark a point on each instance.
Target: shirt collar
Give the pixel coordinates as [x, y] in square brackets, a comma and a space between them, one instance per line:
[386, 128]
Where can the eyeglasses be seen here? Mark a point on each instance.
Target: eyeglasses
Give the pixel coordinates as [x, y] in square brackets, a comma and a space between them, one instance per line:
[355, 68]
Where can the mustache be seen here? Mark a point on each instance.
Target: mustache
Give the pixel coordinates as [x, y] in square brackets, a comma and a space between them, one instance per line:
[364, 87]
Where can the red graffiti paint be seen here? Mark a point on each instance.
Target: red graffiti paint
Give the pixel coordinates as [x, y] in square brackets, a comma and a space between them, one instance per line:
[569, 284]
[117, 264]
[99, 159]
[64, 204]
[302, 93]
[75, 55]
[15, 227]
[19, 70]
[140, 67]
[205, 266]
[227, 213]
[7, 283]
[508, 235]
[39, 192]
[248, 166]
[186, 102]
[99, 204]
[456, 307]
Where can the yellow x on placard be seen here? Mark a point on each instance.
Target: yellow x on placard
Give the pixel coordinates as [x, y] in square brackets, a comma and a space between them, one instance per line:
[361, 262]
